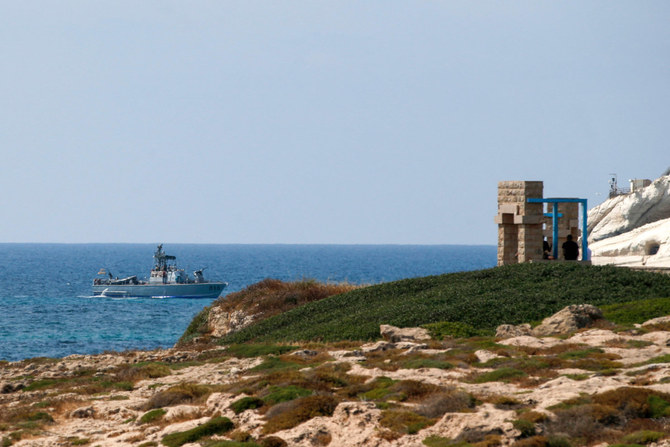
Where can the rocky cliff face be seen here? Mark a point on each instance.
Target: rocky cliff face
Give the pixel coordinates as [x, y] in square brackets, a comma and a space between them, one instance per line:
[633, 229]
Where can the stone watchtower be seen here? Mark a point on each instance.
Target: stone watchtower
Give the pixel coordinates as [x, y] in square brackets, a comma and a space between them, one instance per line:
[519, 222]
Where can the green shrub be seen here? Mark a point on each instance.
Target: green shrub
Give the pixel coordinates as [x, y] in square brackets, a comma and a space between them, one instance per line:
[580, 353]
[456, 329]
[638, 311]
[258, 350]
[404, 422]
[643, 437]
[152, 416]
[665, 358]
[558, 441]
[499, 375]
[214, 426]
[274, 364]
[197, 327]
[39, 416]
[423, 362]
[525, 427]
[246, 403]
[439, 441]
[277, 394]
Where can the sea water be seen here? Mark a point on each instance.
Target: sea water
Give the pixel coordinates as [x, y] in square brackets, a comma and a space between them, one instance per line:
[46, 307]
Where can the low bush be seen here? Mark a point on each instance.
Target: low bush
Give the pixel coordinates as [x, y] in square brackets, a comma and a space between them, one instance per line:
[257, 350]
[289, 414]
[534, 441]
[526, 428]
[152, 416]
[273, 441]
[246, 403]
[404, 422]
[449, 401]
[425, 362]
[214, 426]
[178, 394]
[636, 402]
[499, 375]
[455, 329]
[278, 394]
[197, 328]
[438, 441]
[643, 437]
[135, 373]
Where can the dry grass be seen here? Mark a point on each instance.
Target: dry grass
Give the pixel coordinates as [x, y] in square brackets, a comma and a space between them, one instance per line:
[292, 413]
[272, 296]
[178, 394]
[449, 401]
[403, 422]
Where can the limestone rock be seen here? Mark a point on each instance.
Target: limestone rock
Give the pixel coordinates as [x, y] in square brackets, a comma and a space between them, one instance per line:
[627, 212]
[182, 413]
[396, 334]
[305, 353]
[633, 229]
[659, 320]
[221, 323]
[510, 330]
[569, 319]
[648, 245]
[83, 413]
[484, 356]
[379, 346]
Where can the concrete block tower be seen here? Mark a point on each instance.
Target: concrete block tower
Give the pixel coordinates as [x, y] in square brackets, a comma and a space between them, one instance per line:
[519, 222]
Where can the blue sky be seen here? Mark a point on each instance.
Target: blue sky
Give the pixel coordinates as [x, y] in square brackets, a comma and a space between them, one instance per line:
[318, 122]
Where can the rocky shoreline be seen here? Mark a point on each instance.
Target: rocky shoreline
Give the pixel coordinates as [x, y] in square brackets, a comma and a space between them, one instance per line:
[406, 390]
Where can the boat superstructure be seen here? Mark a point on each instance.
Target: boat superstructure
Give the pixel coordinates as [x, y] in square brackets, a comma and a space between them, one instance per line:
[165, 281]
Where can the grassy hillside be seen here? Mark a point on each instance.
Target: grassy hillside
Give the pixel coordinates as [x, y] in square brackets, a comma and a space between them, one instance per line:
[483, 299]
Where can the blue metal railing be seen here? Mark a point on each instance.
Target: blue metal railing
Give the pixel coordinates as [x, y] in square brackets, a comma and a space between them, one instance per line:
[554, 219]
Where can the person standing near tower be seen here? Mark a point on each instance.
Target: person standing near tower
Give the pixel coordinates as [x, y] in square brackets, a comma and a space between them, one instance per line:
[570, 249]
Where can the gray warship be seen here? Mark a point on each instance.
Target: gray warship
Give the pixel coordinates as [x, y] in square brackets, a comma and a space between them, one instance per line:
[165, 281]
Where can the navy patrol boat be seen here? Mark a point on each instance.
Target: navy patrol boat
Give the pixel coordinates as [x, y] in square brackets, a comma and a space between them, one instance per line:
[166, 281]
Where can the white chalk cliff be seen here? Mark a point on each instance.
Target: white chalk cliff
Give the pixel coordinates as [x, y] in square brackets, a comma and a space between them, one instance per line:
[633, 229]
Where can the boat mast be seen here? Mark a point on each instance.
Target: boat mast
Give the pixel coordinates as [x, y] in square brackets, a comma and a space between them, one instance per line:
[162, 259]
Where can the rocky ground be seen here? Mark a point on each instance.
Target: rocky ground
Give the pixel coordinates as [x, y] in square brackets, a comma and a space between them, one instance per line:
[596, 385]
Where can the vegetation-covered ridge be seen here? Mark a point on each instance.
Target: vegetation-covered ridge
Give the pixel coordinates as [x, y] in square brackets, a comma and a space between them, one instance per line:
[262, 300]
[482, 299]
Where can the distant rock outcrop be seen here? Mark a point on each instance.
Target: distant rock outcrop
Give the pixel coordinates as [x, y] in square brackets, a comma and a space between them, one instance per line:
[568, 320]
[396, 334]
[563, 322]
[624, 213]
[633, 229]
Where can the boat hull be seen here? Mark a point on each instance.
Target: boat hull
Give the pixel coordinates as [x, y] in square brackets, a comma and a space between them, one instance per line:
[199, 290]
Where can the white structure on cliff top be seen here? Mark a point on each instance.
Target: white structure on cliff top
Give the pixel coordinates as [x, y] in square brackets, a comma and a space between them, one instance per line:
[633, 229]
